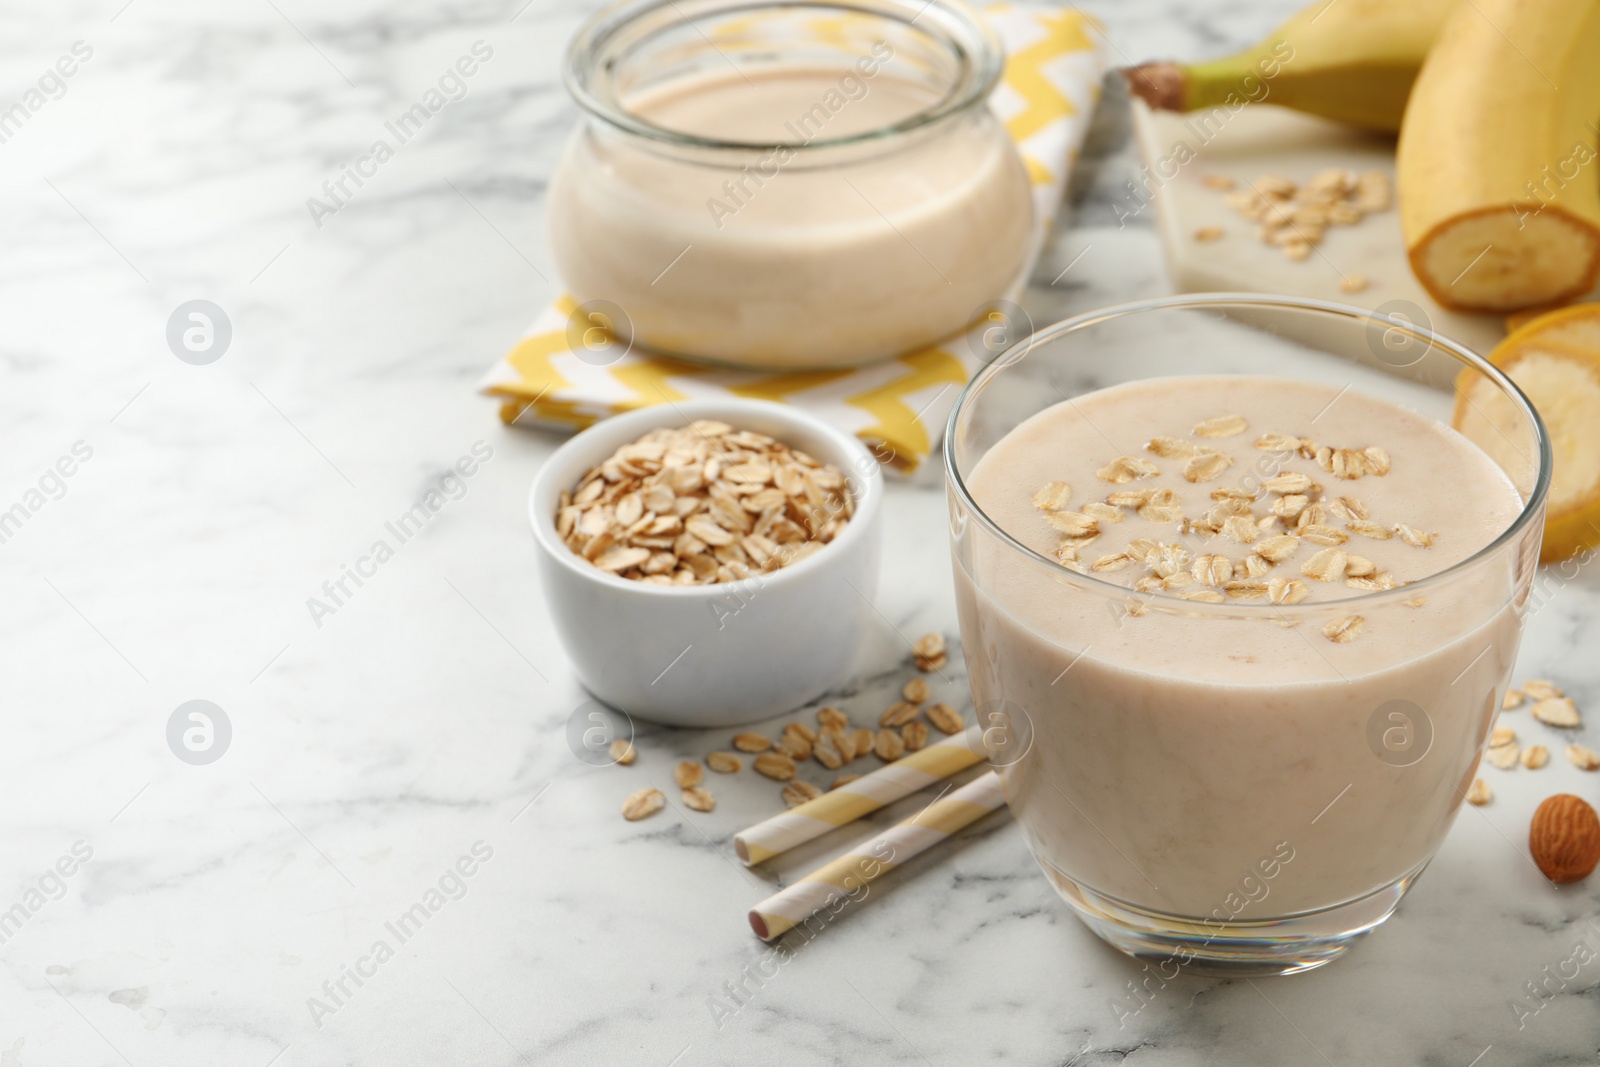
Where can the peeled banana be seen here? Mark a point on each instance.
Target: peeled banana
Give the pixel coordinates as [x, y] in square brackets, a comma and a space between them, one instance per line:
[1498, 182]
[1349, 60]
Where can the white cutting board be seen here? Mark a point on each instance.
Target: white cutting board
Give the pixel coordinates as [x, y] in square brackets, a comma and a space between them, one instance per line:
[1261, 139]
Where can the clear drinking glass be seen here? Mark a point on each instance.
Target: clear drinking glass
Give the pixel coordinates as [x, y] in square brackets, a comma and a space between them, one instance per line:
[1255, 828]
[859, 201]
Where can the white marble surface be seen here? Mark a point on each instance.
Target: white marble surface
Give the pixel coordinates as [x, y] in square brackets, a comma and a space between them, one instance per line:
[371, 752]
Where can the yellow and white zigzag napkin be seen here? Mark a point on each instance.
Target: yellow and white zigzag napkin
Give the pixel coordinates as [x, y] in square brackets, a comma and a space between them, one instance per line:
[899, 406]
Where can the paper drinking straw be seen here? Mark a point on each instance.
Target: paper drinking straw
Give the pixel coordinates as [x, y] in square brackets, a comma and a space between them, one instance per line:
[847, 875]
[868, 793]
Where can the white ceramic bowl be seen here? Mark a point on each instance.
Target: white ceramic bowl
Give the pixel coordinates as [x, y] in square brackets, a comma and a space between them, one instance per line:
[713, 655]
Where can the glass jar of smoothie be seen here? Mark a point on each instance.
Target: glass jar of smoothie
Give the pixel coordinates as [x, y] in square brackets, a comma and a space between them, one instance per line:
[788, 185]
[1239, 607]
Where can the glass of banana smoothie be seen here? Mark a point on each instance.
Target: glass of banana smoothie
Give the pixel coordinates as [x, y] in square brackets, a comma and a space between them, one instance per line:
[1239, 608]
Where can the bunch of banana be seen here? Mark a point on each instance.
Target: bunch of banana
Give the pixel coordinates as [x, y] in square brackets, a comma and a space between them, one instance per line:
[1349, 60]
[1498, 179]
[1498, 107]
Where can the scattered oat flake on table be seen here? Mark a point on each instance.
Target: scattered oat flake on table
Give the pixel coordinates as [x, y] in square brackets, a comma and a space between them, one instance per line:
[643, 804]
[1583, 757]
[899, 714]
[1479, 793]
[798, 792]
[699, 798]
[623, 752]
[775, 765]
[915, 735]
[1535, 756]
[724, 762]
[751, 742]
[794, 745]
[1557, 711]
[687, 774]
[1207, 234]
[1504, 756]
[1353, 283]
[861, 742]
[832, 717]
[947, 719]
[1503, 735]
[1513, 700]
[888, 746]
[827, 750]
[915, 691]
[1539, 689]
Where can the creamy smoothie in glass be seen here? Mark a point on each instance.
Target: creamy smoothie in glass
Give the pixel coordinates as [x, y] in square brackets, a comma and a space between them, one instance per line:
[1239, 619]
[796, 185]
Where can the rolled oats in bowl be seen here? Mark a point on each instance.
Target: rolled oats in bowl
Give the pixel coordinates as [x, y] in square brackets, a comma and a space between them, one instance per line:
[702, 504]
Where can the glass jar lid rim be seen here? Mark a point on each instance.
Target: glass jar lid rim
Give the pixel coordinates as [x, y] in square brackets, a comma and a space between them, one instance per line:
[960, 30]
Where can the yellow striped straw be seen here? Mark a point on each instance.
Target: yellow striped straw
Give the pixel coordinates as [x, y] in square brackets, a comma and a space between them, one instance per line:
[866, 794]
[849, 875]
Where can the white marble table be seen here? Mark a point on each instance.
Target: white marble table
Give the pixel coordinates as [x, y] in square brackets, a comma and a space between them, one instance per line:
[418, 723]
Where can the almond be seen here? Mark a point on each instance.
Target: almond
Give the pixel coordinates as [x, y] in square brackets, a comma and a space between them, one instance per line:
[1565, 838]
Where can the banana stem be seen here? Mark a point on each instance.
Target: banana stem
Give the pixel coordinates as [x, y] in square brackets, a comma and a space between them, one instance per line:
[1161, 85]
